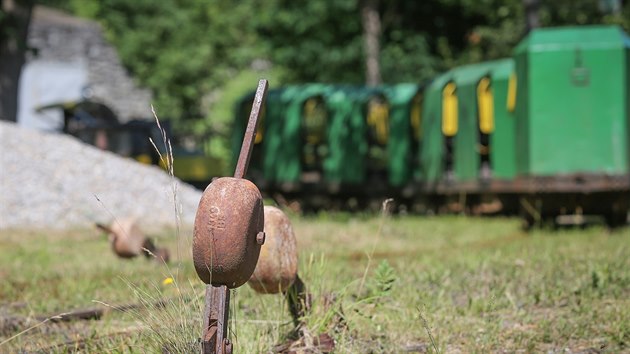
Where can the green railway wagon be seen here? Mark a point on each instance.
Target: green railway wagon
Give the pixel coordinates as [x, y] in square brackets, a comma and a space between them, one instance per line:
[286, 149]
[333, 135]
[572, 101]
[357, 148]
[371, 137]
[290, 139]
[403, 133]
[502, 146]
[545, 133]
[342, 167]
[467, 148]
[573, 122]
[468, 128]
[432, 146]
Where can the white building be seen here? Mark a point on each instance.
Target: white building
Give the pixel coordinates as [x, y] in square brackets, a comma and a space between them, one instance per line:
[70, 54]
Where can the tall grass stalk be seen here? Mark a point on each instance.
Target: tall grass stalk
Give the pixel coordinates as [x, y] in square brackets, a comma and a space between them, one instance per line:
[384, 215]
[169, 162]
[427, 328]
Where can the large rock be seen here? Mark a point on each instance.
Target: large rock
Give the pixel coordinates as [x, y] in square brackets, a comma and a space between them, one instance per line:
[50, 180]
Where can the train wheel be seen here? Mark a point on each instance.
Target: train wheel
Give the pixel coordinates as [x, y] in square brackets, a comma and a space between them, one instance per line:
[527, 223]
[616, 220]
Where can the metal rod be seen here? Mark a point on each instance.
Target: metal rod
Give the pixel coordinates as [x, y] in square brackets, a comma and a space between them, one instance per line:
[250, 132]
[298, 300]
[217, 302]
[215, 321]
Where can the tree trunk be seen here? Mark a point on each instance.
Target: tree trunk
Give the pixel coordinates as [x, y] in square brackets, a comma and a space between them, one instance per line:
[371, 33]
[13, 32]
[531, 13]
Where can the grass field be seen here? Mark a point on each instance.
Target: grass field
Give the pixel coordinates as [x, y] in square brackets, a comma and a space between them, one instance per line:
[395, 284]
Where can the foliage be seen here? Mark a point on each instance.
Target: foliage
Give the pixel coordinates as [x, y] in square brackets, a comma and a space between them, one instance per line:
[218, 123]
[322, 41]
[181, 49]
[190, 52]
[382, 282]
[315, 40]
[10, 21]
[14, 21]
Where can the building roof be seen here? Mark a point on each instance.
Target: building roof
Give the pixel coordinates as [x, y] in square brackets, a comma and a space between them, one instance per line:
[43, 15]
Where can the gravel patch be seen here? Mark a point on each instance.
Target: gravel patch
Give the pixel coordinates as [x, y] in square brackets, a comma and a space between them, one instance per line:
[50, 180]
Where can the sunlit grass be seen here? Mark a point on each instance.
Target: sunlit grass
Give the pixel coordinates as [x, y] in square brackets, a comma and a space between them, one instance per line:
[480, 284]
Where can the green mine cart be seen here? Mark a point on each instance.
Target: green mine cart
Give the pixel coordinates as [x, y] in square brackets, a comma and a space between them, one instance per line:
[357, 134]
[404, 132]
[346, 135]
[572, 101]
[332, 138]
[572, 108]
[468, 150]
[432, 146]
[545, 133]
[502, 148]
[468, 127]
[290, 138]
[371, 138]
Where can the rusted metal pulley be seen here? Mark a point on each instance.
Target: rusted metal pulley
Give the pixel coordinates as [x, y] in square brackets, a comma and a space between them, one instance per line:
[226, 240]
[277, 268]
[128, 240]
[229, 223]
[227, 236]
[278, 261]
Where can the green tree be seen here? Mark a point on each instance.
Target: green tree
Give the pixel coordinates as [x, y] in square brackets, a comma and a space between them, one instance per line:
[321, 40]
[181, 49]
[186, 52]
[314, 40]
[15, 16]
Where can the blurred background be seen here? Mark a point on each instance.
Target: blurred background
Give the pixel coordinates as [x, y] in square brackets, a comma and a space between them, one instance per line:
[94, 68]
[467, 107]
[193, 59]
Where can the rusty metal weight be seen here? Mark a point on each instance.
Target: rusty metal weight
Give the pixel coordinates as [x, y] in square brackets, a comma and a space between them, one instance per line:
[227, 237]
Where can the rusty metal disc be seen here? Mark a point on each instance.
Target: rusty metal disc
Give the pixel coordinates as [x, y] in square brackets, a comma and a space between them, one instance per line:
[227, 225]
[278, 261]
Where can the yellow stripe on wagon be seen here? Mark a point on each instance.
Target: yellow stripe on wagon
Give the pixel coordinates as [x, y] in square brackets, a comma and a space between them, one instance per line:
[449, 109]
[485, 104]
[511, 97]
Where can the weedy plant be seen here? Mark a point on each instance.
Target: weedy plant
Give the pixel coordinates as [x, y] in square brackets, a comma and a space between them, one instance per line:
[382, 282]
[173, 327]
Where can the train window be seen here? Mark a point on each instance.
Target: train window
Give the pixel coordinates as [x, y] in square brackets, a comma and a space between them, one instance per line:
[416, 116]
[314, 123]
[511, 97]
[378, 120]
[260, 132]
[314, 128]
[449, 109]
[485, 106]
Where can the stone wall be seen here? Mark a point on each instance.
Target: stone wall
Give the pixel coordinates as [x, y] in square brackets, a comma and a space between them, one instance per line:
[59, 37]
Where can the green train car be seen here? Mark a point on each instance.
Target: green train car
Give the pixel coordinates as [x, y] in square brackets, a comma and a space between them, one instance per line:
[573, 122]
[324, 143]
[545, 134]
[468, 132]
